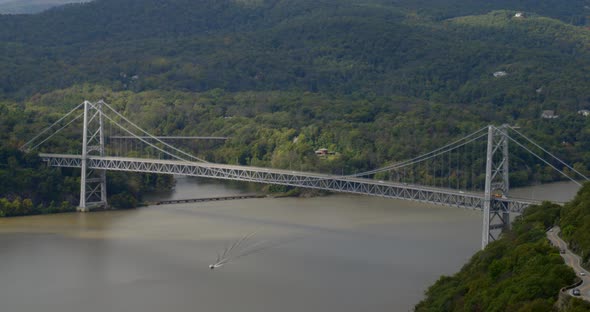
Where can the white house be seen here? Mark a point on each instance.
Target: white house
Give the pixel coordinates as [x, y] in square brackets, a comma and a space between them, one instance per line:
[548, 114]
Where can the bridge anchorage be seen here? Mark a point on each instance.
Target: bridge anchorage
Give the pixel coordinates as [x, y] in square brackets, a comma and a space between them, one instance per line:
[454, 175]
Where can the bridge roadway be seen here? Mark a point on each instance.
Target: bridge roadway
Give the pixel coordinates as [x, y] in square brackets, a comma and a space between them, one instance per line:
[335, 183]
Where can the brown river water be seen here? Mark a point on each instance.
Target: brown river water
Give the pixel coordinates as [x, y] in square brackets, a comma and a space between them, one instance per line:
[333, 253]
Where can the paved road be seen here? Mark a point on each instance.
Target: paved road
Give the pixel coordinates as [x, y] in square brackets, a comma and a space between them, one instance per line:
[572, 260]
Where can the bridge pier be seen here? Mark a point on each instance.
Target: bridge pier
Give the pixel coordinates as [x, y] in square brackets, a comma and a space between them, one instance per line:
[93, 187]
[496, 215]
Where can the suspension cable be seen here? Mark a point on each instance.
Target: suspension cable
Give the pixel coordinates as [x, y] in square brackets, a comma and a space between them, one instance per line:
[416, 159]
[56, 132]
[151, 144]
[150, 135]
[422, 158]
[143, 140]
[543, 160]
[24, 146]
[555, 157]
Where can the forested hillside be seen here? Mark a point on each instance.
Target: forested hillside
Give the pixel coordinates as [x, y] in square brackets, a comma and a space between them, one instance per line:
[374, 81]
[28, 186]
[341, 47]
[574, 11]
[575, 221]
[30, 6]
[519, 272]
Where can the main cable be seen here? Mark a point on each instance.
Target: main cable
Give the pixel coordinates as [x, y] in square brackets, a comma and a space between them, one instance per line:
[56, 132]
[24, 148]
[423, 157]
[150, 135]
[544, 150]
[543, 160]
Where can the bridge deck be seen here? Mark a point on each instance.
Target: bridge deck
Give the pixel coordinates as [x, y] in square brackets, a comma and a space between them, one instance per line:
[335, 183]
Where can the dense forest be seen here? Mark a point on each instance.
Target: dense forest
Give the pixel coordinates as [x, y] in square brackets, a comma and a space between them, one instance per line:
[28, 186]
[575, 220]
[521, 271]
[325, 47]
[374, 81]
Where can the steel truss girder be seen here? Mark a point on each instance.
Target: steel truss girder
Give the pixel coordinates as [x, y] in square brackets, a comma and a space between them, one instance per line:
[342, 184]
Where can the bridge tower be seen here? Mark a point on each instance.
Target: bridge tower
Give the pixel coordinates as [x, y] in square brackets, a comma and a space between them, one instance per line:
[496, 215]
[93, 187]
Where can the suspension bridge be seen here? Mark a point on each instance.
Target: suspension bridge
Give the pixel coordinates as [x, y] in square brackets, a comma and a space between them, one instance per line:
[471, 172]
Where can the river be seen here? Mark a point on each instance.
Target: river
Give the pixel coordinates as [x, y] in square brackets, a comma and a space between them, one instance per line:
[333, 253]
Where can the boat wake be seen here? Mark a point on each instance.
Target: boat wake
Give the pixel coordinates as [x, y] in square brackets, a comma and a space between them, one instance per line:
[242, 248]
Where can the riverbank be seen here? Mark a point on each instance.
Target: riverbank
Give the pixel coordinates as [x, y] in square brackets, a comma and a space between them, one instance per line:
[521, 271]
[24, 207]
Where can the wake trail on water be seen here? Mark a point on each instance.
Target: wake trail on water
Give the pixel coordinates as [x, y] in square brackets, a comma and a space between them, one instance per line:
[244, 247]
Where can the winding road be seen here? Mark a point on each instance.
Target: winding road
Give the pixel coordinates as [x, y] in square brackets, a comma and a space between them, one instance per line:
[572, 260]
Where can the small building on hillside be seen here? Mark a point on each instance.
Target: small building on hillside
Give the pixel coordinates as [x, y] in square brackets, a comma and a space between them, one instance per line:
[324, 152]
[499, 74]
[548, 114]
[519, 15]
[584, 112]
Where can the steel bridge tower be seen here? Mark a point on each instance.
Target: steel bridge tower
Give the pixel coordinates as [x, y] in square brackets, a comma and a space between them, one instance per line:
[496, 216]
[93, 187]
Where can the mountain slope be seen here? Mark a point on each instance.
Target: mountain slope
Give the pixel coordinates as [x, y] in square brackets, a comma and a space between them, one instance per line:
[519, 272]
[283, 65]
[326, 46]
[574, 11]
